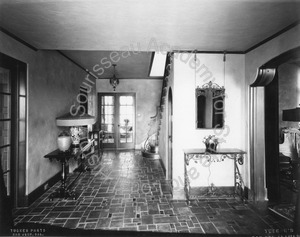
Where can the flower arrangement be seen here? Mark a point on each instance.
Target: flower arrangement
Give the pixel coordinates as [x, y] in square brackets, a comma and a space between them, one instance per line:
[76, 132]
[126, 121]
[211, 142]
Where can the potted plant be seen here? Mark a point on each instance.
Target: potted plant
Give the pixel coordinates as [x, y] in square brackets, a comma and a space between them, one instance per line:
[153, 145]
[211, 142]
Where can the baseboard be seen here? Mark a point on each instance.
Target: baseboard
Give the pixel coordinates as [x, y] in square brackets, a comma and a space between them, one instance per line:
[215, 191]
[39, 191]
[147, 154]
[250, 194]
[247, 193]
[163, 166]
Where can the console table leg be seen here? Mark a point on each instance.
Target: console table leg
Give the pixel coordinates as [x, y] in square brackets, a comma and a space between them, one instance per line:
[239, 184]
[186, 183]
[62, 191]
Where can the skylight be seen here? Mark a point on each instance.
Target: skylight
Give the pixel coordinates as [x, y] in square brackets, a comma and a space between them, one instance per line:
[158, 65]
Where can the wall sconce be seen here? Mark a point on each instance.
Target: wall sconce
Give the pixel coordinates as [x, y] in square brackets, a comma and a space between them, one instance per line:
[114, 81]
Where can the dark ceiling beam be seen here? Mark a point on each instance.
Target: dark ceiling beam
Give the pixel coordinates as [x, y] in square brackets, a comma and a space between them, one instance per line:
[18, 39]
[78, 65]
[273, 36]
[140, 78]
[208, 52]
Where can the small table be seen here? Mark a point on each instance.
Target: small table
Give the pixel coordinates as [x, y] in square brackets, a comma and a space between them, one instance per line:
[200, 154]
[62, 157]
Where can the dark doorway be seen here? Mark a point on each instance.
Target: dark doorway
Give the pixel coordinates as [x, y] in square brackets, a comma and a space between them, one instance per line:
[272, 139]
[280, 170]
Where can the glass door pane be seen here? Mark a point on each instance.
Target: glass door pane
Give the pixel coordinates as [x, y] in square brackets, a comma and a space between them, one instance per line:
[108, 119]
[5, 126]
[4, 133]
[5, 85]
[126, 121]
[5, 165]
[5, 106]
[117, 120]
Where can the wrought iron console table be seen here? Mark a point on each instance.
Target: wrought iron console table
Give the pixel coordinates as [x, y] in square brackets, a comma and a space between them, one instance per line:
[218, 156]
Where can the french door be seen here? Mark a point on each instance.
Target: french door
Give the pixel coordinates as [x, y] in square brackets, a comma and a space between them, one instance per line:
[117, 119]
[13, 96]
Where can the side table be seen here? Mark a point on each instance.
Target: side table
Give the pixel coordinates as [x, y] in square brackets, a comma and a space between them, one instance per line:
[62, 157]
[201, 154]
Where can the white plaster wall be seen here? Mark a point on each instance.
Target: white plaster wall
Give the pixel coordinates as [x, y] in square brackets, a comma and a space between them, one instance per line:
[185, 133]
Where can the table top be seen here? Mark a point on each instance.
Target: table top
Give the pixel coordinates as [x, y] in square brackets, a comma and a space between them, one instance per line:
[57, 154]
[219, 151]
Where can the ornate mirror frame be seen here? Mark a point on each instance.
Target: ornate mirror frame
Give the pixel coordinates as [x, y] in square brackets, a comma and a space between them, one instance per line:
[210, 100]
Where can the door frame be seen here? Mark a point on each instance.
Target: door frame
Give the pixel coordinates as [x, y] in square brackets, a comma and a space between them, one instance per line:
[265, 164]
[117, 145]
[170, 137]
[18, 158]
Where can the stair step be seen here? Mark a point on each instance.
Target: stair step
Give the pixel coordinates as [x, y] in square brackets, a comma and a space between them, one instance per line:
[148, 154]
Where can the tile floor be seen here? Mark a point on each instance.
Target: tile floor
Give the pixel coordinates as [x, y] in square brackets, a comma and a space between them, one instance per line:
[126, 192]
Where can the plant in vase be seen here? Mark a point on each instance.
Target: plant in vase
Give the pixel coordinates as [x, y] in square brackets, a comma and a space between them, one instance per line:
[76, 132]
[153, 145]
[211, 142]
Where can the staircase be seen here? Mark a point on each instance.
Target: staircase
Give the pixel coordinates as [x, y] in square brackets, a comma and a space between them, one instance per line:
[151, 150]
[164, 90]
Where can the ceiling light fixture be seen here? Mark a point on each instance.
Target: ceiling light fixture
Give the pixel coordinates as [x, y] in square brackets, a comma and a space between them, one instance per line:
[114, 81]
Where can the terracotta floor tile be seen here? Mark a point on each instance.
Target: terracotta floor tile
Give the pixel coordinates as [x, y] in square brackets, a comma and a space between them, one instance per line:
[208, 227]
[196, 230]
[127, 192]
[167, 219]
[72, 223]
[118, 223]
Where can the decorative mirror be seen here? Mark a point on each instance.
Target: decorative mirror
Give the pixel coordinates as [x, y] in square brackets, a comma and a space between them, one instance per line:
[210, 106]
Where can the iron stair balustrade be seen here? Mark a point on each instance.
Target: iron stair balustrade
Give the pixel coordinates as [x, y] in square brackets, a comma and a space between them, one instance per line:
[156, 119]
[164, 91]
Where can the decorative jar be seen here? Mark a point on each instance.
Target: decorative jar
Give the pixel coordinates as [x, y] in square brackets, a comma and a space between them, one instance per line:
[64, 142]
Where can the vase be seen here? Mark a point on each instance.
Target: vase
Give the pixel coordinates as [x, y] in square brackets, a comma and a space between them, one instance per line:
[211, 147]
[64, 143]
[206, 147]
[76, 132]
